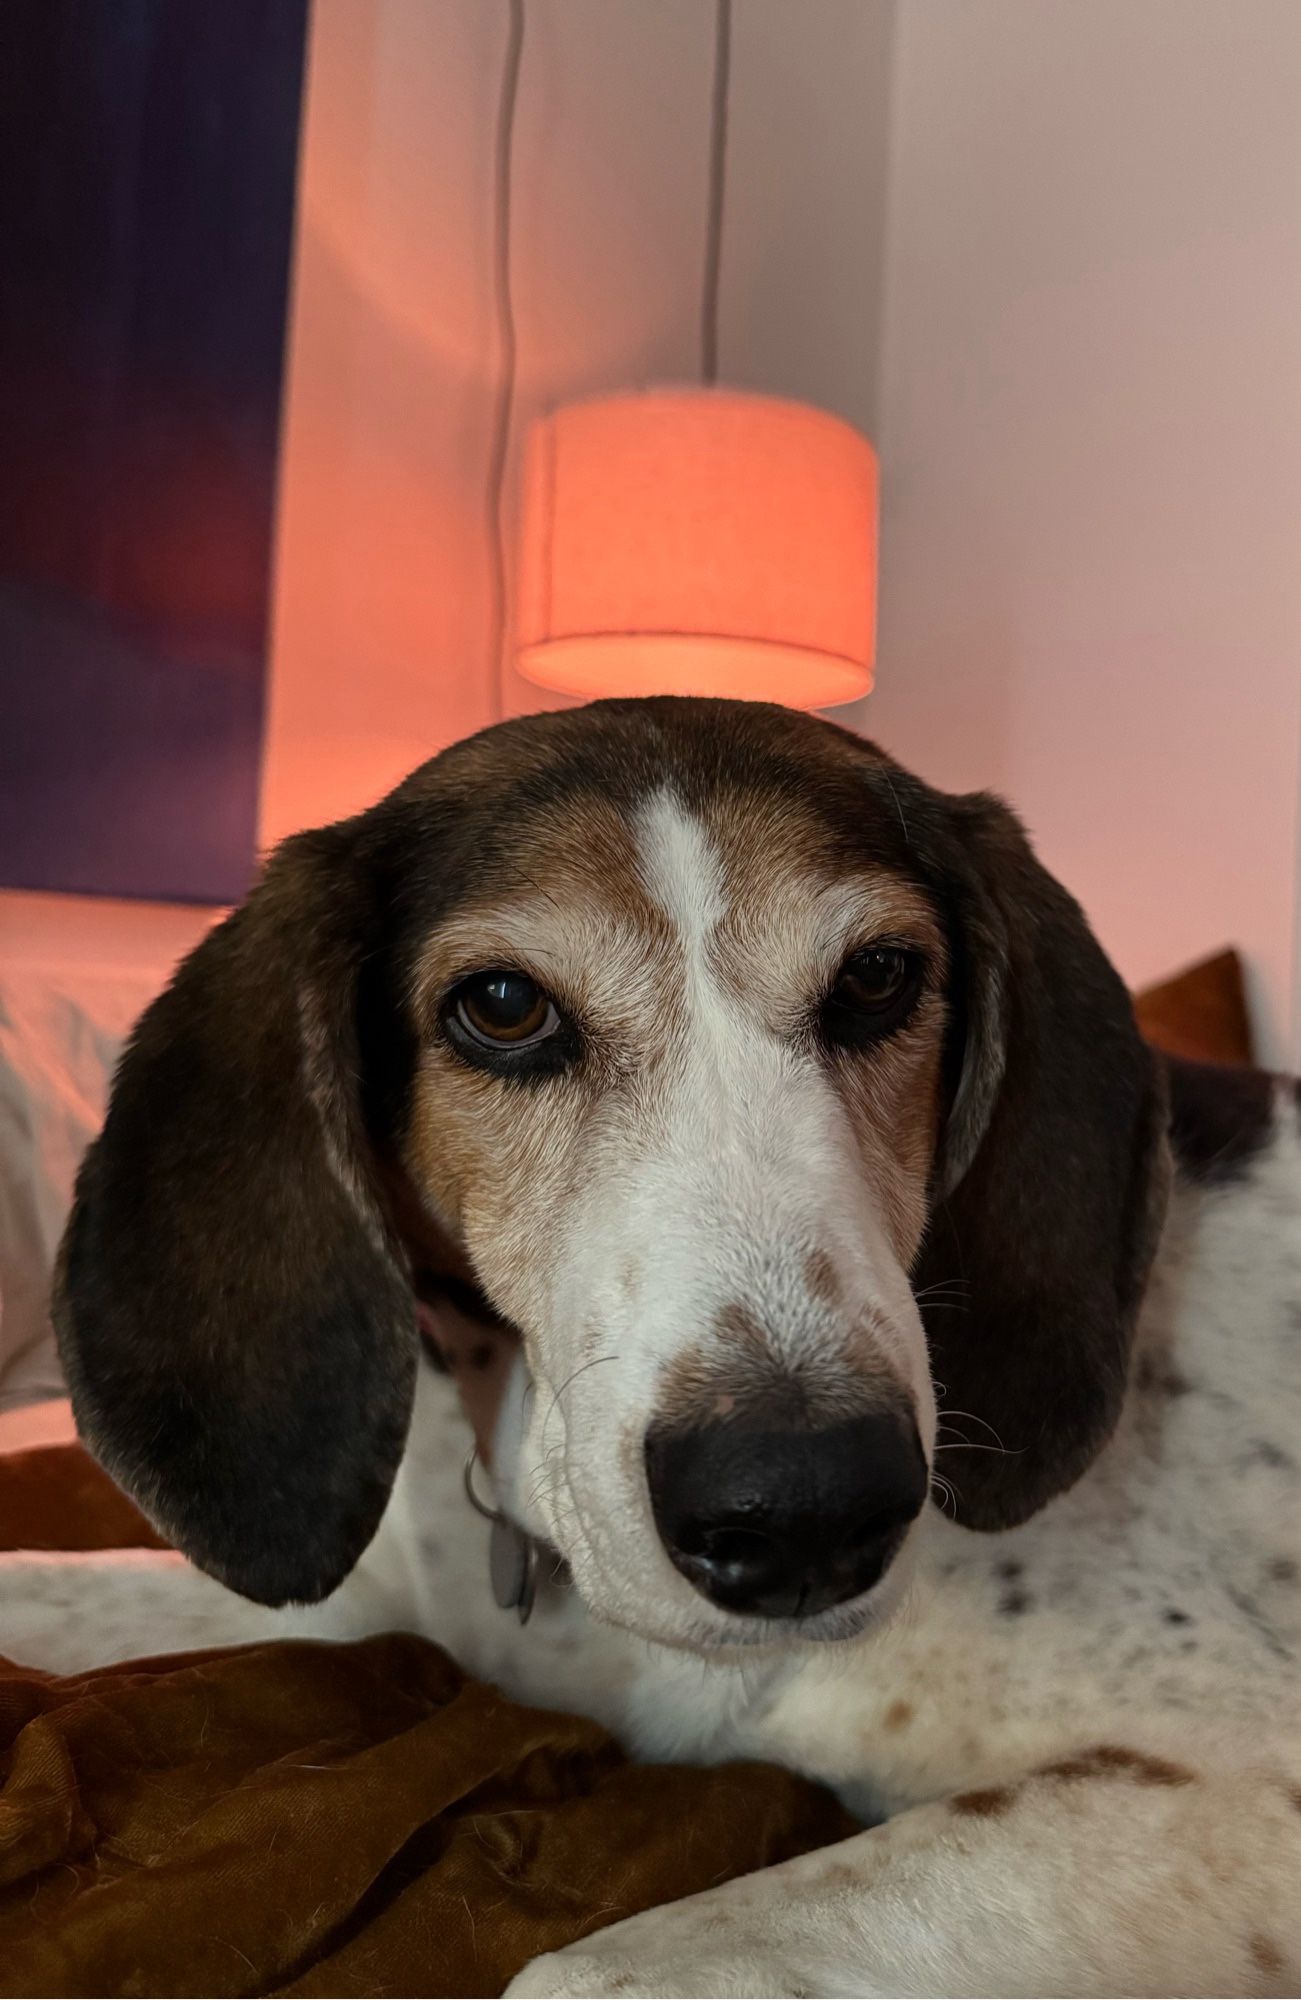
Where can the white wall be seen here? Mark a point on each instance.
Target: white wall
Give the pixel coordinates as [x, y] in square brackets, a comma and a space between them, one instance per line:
[380, 634]
[1091, 438]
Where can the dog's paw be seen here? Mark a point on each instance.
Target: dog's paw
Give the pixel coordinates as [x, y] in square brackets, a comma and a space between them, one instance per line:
[560, 1973]
[586, 1969]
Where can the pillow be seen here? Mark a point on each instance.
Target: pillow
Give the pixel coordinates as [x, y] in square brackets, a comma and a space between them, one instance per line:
[73, 979]
[1200, 1014]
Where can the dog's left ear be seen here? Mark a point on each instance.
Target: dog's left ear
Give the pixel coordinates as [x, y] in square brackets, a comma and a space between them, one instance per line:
[1052, 1177]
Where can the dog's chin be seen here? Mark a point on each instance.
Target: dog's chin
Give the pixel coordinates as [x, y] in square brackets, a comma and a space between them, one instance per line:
[687, 1623]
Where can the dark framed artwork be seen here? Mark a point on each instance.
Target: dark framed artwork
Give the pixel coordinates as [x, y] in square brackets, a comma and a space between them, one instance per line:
[148, 157]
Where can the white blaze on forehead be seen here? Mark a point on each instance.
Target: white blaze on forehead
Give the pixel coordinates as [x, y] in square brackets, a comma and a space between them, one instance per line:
[682, 870]
[722, 1105]
[683, 875]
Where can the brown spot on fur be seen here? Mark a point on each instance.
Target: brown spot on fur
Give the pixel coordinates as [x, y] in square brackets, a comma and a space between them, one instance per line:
[738, 1374]
[1294, 1794]
[1265, 1956]
[820, 1277]
[988, 1803]
[1110, 1760]
[1159, 1379]
[898, 1715]
[741, 1366]
[735, 1324]
[1283, 1569]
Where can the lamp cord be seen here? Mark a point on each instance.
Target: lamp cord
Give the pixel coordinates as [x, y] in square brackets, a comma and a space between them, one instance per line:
[504, 311]
[717, 188]
[504, 304]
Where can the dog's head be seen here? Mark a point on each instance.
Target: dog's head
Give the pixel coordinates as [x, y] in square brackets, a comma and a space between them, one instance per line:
[771, 1095]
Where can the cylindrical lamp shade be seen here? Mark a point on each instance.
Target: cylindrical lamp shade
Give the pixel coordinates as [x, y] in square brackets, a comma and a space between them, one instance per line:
[698, 541]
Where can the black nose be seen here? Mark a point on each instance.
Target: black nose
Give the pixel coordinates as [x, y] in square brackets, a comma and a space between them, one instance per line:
[783, 1524]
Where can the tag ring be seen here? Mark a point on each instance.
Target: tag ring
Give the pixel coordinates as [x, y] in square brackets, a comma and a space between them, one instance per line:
[493, 1514]
[512, 1555]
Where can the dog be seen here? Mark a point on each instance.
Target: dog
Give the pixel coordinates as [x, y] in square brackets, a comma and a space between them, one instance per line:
[904, 1384]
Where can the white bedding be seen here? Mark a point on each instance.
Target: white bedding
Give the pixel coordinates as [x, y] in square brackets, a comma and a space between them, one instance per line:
[75, 973]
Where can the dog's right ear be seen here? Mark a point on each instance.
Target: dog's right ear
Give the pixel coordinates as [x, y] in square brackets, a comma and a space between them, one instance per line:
[235, 1322]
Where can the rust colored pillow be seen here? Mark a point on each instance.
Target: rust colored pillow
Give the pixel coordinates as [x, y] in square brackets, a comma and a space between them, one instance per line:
[1201, 1014]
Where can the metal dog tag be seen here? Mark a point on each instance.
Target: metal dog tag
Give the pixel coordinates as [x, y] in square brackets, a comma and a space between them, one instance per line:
[513, 1568]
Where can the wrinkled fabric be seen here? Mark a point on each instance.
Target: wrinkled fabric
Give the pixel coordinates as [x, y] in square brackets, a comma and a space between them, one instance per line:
[303, 1818]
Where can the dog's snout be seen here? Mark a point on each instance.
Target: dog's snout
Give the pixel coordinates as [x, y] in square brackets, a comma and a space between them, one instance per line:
[786, 1523]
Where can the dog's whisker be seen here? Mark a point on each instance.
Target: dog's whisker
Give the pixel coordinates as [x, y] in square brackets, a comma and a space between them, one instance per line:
[568, 1383]
[965, 1444]
[971, 1417]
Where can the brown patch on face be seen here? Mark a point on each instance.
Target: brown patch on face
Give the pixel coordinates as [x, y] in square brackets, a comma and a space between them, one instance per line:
[1265, 1955]
[1283, 1569]
[737, 1327]
[738, 1372]
[821, 1279]
[738, 1369]
[1294, 1794]
[894, 1101]
[898, 1715]
[988, 1803]
[1115, 1761]
[493, 1156]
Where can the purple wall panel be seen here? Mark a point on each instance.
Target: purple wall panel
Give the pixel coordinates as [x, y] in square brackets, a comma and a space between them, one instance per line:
[148, 156]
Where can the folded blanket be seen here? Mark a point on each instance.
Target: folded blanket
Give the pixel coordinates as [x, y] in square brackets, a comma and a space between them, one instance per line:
[312, 1819]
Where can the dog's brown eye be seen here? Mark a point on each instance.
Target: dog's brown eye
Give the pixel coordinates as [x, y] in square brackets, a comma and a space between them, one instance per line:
[505, 1010]
[872, 979]
[873, 992]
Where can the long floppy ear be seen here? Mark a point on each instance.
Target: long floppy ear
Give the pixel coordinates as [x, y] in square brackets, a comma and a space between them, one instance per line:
[1051, 1183]
[236, 1326]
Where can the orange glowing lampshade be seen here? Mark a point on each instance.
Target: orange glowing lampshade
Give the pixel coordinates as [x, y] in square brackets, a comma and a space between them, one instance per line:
[698, 541]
